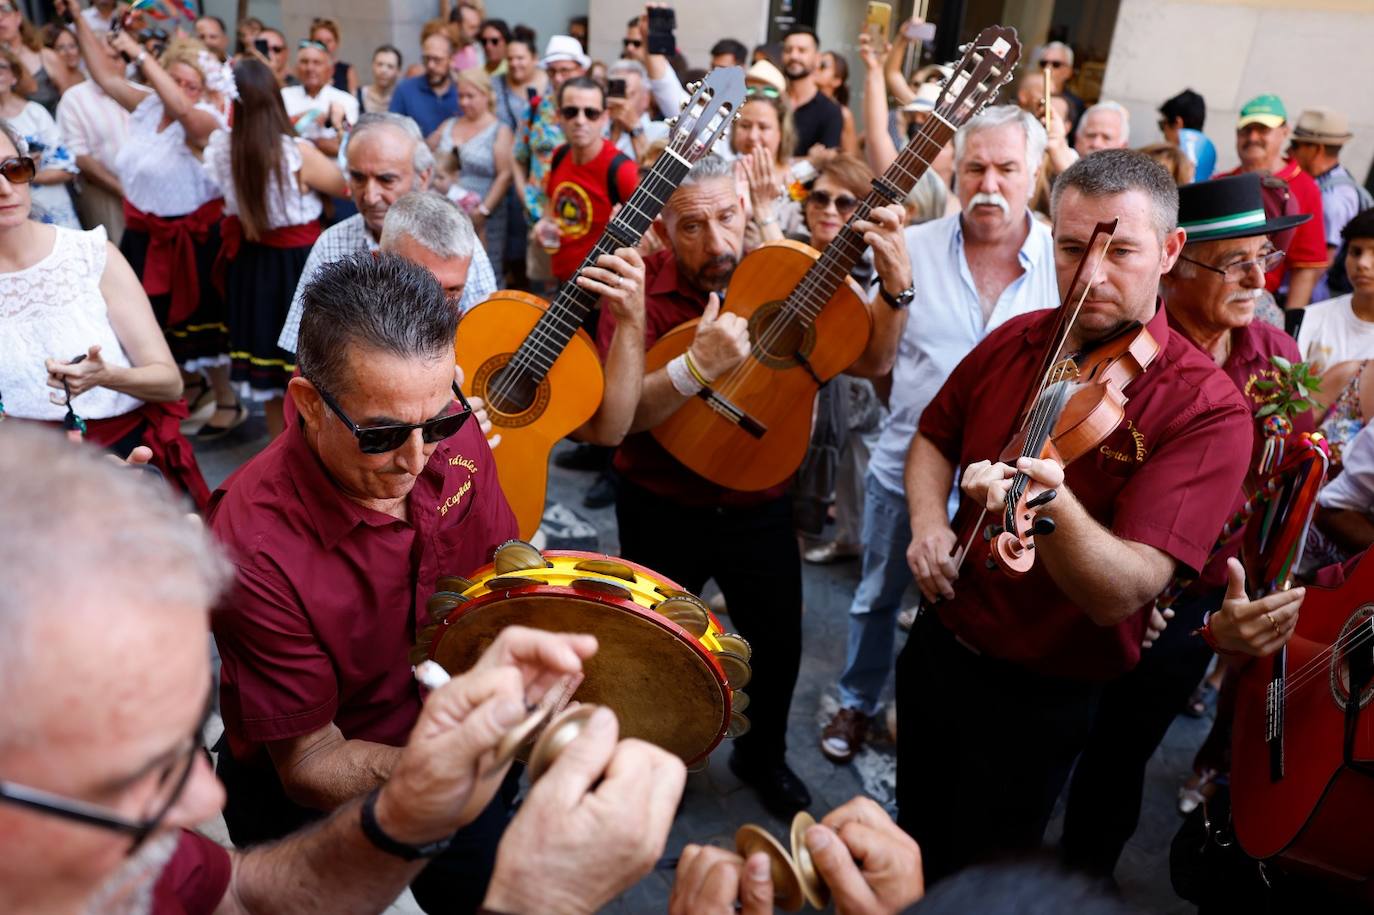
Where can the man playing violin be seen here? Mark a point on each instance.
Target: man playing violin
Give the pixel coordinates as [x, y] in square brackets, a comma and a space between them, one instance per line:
[1210, 296]
[996, 689]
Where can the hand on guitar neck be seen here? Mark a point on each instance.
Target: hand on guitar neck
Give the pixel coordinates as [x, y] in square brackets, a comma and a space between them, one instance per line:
[1254, 627]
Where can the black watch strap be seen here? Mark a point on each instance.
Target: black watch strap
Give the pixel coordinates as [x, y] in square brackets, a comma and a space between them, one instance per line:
[378, 837]
[900, 300]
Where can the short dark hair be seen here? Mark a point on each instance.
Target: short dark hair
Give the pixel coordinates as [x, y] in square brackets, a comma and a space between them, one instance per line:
[1187, 105]
[802, 30]
[524, 33]
[582, 82]
[217, 21]
[1362, 226]
[389, 49]
[633, 23]
[383, 303]
[500, 26]
[1109, 172]
[577, 20]
[735, 49]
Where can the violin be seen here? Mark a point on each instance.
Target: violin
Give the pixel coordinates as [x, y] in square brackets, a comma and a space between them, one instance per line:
[1079, 401]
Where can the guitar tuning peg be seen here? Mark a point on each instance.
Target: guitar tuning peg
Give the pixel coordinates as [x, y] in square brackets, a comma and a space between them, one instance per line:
[963, 48]
[671, 122]
[683, 106]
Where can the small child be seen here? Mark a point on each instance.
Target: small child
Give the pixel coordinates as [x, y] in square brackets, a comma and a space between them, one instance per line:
[446, 171]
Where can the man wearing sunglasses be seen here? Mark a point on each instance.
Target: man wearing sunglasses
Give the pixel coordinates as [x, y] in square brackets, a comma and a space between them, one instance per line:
[1057, 57]
[105, 696]
[339, 530]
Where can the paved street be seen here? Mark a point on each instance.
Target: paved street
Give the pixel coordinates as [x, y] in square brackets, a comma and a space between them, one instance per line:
[716, 804]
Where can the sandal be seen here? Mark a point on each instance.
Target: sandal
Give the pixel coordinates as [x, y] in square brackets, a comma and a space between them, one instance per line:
[200, 402]
[210, 432]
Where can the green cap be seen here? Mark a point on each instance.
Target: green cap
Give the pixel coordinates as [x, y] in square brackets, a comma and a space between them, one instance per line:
[1264, 109]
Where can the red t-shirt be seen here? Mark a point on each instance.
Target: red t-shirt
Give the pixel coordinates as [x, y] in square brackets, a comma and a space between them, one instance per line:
[195, 880]
[1251, 349]
[1166, 478]
[669, 302]
[329, 594]
[580, 202]
[1308, 247]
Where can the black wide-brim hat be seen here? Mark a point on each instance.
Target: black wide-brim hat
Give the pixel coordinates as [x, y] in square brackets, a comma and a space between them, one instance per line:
[1230, 207]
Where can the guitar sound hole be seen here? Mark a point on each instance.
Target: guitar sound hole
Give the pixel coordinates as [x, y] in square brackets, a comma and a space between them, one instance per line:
[511, 392]
[777, 341]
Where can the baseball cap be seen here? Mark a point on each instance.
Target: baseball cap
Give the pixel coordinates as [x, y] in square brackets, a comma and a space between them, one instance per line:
[1264, 109]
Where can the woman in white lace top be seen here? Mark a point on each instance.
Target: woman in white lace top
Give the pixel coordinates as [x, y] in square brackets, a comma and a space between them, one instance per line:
[272, 182]
[170, 201]
[72, 311]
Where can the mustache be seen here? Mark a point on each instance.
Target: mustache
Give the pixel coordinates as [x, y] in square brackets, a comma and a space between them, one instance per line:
[1244, 295]
[993, 199]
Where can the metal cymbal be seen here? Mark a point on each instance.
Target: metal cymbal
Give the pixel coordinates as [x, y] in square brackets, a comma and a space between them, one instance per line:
[678, 592]
[509, 582]
[606, 567]
[685, 613]
[738, 727]
[456, 583]
[737, 671]
[517, 556]
[739, 701]
[562, 731]
[442, 603]
[519, 735]
[787, 889]
[602, 586]
[732, 641]
[812, 886]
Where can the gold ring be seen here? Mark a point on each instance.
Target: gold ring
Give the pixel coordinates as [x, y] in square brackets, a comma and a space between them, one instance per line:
[1270, 618]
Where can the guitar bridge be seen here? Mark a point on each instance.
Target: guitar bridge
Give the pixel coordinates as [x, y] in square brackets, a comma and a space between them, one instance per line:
[732, 413]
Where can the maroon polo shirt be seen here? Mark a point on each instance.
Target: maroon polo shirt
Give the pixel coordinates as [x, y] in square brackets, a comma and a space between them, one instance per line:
[669, 302]
[194, 880]
[1251, 349]
[1166, 478]
[329, 594]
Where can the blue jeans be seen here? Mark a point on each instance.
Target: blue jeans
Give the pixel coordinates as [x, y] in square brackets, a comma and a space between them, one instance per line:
[872, 615]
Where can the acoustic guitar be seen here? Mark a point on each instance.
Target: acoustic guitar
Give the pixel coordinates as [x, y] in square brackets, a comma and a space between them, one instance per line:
[808, 320]
[1302, 745]
[539, 373]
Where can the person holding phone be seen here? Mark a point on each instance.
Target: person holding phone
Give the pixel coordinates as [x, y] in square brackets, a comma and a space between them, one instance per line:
[627, 103]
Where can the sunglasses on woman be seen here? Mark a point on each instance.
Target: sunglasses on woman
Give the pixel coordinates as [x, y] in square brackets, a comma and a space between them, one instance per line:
[18, 169]
[382, 439]
[844, 203]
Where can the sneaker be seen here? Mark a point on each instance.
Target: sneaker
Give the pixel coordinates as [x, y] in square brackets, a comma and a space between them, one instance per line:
[834, 551]
[844, 735]
[779, 789]
[583, 457]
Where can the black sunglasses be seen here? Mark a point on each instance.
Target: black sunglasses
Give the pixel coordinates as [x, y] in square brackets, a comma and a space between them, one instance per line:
[570, 112]
[631, 43]
[490, 40]
[1053, 64]
[18, 169]
[170, 785]
[844, 203]
[381, 439]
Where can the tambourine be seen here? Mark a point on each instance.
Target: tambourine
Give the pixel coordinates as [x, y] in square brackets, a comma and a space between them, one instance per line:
[664, 665]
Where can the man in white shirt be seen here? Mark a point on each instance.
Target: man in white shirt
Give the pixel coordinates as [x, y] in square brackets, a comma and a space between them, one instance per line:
[93, 127]
[319, 111]
[1341, 329]
[973, 271]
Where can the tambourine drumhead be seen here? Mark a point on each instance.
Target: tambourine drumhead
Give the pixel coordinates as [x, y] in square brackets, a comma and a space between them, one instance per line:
[660, 682]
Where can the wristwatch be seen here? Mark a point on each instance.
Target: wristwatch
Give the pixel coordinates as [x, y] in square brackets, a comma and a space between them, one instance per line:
[637, 131]
[899, 301]
[378, 837]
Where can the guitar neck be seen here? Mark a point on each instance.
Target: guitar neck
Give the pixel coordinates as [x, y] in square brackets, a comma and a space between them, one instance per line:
[840, 256]
[569, 309]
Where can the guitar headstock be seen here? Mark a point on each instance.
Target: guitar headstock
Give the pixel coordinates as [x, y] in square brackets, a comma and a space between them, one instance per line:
[708, 113]
[987, 65]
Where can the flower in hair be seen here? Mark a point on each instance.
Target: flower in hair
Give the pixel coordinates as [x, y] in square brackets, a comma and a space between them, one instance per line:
[219, 76]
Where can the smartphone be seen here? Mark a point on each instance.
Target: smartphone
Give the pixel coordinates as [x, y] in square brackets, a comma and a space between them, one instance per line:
[615, 88]
[662, 22]
[260, 45]
[919, 31]
[878, 21]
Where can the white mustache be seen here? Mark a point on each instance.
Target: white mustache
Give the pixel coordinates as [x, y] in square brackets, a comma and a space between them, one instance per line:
[1244, 295]
[996, 200]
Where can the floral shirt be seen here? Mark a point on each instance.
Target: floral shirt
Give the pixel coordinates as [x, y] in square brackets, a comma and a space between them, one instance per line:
[538, 136]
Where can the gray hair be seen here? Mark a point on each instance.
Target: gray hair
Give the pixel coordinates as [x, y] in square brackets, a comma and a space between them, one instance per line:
[21, 146]
[708, 167]
[1109, 172]
[434, 223]
[422, 160]
[625, 65]
[1055, 46]
[83, 532]
[1116, 107]
[1001, 116]
[384, 303]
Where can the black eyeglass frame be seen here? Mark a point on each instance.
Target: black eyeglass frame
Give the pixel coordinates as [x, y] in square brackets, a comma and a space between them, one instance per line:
[79, 811]
[425, 427]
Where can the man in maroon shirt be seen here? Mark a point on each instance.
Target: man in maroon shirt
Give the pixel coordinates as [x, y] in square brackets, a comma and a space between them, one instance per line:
[1210, 296]
[996, 689]
[339, 530]
[104, 697]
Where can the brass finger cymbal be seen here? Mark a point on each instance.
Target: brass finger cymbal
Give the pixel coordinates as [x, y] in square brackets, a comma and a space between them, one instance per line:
[442, 603]
[691, 615]
[602, 586]
[517, 556]
[813, 887]
[731, 641]
[787, 887]
[736, 668]
[562, 731]
[456, 583]
[738, 726]
[739, 701]
[518, 736]
[606, 567]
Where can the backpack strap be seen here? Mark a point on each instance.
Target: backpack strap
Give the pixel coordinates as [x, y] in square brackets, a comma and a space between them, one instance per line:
[612, 191]
[559, 155]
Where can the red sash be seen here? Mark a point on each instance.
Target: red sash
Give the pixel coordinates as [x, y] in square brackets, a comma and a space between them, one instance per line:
[170, 265]
[232, 239]
[172, 453]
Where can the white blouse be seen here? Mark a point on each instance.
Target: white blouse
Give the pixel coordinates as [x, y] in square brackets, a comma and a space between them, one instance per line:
[160, 173]
[54, 309]
[286, 204]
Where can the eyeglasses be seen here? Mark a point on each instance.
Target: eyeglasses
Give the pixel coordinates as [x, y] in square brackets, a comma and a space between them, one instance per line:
[570, 112]
[844, 203]
[381, 439]
[276, 49]
[493, 41]
[765, 91]
[631, 43]
[1053, 64]
[171, 782]
[1234, 273]
[18, 169]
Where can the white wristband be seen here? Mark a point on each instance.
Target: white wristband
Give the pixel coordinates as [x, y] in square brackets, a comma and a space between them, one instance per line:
[681, 377]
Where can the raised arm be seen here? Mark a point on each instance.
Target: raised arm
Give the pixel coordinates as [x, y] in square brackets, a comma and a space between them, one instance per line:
[105, 69]
[319, 172]
[197, 122]
[897, 85]
[882, 232]
[879, 149]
